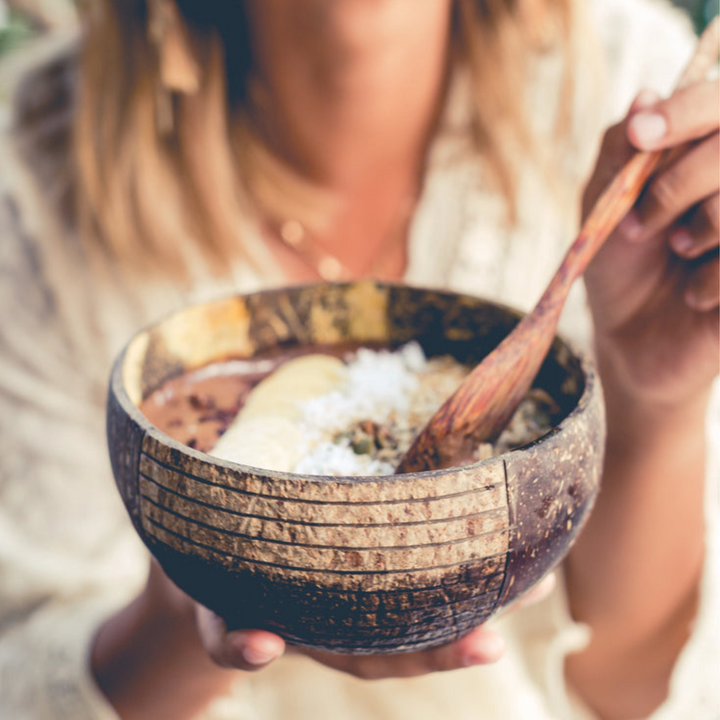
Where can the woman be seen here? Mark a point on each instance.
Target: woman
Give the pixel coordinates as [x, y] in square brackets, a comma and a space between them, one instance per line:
[198, 148]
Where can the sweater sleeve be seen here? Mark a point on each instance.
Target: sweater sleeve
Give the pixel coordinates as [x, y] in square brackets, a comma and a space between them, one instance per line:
[68, 556]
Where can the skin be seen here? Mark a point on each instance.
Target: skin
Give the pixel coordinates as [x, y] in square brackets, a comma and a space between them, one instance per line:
[328, 74]
[653, 291]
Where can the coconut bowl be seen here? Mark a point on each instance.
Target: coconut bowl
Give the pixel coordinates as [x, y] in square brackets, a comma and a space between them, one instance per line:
[352, 564]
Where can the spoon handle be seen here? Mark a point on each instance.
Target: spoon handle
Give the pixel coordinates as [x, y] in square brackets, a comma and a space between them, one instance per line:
[487, 398]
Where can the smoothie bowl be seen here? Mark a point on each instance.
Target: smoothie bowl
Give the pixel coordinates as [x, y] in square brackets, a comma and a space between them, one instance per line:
[374, 563]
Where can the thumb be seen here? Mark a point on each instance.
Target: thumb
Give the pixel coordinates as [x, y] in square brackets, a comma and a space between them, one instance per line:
[643, 100]
[241, 649]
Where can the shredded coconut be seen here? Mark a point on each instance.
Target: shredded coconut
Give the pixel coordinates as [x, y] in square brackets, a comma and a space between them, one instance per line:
[316, 415]
[366, 425]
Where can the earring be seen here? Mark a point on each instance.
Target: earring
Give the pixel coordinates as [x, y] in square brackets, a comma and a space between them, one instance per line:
[179, 70]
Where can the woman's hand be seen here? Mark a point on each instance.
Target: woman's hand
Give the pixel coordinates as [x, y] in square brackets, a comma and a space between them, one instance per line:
[633, 574]
[254, 649]
[653, 287]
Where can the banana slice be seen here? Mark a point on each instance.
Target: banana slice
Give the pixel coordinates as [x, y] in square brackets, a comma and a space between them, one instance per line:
[293, 382]
[265, 434]
[269, 442]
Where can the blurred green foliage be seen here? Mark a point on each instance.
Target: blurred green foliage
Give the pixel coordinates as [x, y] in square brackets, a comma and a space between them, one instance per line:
[701, 11]
[15, 31]
[710, 9]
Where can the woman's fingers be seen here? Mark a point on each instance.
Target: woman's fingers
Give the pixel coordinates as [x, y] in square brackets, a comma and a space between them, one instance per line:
[615, 150]
[703, 291]
[254, 649]
[688, 114]
[675, 189]
[479, 647]
[241, 649]
[644, 99]
[700, 233]
[696, 241]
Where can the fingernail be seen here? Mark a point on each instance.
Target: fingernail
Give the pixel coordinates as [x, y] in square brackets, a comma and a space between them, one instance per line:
[491, 649]
[648, 127]
[257, 656]
[681, 241]
[254, 650]
[631, 227]
[692, 299]
[696, 300]
[646, 98]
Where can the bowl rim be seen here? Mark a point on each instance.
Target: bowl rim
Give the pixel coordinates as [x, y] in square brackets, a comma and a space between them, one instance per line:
[117, 388]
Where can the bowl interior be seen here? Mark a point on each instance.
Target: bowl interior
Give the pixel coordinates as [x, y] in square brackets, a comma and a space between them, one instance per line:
[374, 314]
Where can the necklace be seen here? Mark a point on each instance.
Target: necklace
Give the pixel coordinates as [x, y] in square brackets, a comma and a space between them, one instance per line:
[290, 209]
[295, 236]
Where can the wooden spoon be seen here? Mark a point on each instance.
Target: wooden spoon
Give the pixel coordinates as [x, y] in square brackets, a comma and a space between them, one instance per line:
[487, 398]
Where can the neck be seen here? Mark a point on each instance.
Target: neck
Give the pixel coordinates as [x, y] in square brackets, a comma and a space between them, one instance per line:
[329, 72]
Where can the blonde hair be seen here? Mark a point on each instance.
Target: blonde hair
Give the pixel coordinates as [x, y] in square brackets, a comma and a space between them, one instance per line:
[144, 184]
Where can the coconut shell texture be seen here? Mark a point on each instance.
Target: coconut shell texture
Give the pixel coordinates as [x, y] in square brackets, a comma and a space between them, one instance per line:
[361, 565]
